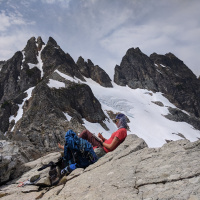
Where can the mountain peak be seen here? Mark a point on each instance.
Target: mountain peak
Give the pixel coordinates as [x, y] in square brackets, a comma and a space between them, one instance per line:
[52, 42]
[31, 51]
[133, 51]
[44, 93]
[40, 43]
[161, 73]
[170, 55]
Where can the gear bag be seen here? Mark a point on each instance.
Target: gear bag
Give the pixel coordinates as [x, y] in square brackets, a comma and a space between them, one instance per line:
[78, 151]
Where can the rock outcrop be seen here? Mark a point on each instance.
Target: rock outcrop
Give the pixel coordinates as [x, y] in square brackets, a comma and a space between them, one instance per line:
[1, 64]
[89, 70]
[13, 155]
[132, 171]
[25, 87]
[53, 57]
[160, 73]
[179, 116]
[77, 100]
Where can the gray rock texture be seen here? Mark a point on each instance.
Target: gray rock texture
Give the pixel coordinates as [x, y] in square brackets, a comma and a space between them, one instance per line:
[54, 57]
[89, 70]
[13, 155]
[179, 116]
[160, 73]
[43, 119]
[132, 171]
[1, 64]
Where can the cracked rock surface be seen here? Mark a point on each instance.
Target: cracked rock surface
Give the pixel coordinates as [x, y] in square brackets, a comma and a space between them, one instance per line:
[132, 171]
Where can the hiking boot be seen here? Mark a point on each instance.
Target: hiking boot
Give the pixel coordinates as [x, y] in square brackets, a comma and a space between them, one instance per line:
[54, 176]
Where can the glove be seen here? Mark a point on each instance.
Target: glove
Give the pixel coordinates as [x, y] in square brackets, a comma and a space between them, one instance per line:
[72, 167]
[68, 169]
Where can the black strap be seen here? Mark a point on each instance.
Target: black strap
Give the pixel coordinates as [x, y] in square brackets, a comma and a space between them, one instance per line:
[51, 164]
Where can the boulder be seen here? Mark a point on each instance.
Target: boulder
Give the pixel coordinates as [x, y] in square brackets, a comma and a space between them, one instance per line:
[13, 155]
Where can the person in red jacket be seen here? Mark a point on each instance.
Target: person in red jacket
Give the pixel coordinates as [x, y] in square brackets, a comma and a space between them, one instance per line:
[114, 141]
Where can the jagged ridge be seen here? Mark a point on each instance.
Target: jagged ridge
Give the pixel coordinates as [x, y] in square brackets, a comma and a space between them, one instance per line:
[160, 73]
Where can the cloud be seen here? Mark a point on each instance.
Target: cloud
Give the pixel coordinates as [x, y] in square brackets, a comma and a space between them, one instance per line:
[5, 21]
[161, 28]
[12, 43]
[103, 30]
[12, 19]
[64, 3]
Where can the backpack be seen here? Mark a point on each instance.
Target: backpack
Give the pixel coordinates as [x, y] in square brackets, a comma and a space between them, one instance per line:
[78, 151]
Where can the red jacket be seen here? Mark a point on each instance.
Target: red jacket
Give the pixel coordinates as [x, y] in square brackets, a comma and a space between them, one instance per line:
[120, 134]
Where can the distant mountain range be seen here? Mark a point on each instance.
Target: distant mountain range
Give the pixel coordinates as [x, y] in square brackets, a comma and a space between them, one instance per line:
[44, 92]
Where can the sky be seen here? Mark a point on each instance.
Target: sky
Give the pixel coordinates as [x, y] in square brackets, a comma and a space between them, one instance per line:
[103, 30]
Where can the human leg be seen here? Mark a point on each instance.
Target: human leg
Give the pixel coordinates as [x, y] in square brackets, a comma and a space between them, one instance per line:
[87, 135]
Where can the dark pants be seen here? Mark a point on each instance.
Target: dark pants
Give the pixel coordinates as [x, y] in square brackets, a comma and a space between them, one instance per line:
[90, 138]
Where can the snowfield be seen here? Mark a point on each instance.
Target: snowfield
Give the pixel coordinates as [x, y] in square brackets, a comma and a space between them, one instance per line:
[146, 118]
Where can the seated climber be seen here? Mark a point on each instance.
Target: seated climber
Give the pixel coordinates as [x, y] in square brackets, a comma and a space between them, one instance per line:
[107, 145]
[104, 145]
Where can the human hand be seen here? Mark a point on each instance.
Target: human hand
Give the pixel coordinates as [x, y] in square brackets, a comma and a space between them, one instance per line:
[60, 146]
[101, 141]
[68, 169]
[100, 135]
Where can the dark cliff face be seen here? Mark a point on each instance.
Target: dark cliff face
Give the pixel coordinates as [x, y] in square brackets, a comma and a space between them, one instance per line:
[89, 70]
[136, 70]
[53, 57]
[44, 118]
[160, 73]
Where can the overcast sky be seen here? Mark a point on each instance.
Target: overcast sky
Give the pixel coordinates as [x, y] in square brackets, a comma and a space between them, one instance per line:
[103, 30]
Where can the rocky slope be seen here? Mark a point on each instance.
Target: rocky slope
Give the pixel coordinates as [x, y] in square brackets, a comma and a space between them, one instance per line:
[132, 171]
[163, 73]
[31, 71]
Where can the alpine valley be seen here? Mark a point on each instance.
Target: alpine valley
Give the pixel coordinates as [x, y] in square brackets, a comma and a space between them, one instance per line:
[44, 93]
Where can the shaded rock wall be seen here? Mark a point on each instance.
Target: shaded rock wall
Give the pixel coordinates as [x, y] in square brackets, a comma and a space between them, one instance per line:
[160, 73]
[44, 114]
[89, 70]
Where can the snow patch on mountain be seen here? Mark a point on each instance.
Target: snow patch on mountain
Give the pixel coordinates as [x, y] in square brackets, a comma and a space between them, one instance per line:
[146, 118]
[39, 65]
[68, 117]
[55, 84]
[20, 110]
[76, 80]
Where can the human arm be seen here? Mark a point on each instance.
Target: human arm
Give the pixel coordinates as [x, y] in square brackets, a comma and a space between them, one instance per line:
[61, 146]
[113, 145]
[101, 137]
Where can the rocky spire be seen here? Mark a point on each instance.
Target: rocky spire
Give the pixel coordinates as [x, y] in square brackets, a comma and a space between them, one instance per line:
[136, 70]
[89, 70]
[40, 43]
[31, 51]
[83, 67]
